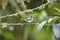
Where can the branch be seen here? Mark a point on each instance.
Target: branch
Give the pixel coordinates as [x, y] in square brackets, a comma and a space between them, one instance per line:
[29, 10]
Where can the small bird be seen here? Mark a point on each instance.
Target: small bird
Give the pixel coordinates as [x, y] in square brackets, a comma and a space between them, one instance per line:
[29, 19]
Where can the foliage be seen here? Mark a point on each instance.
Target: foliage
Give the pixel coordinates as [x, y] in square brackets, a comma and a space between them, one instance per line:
[29, 19]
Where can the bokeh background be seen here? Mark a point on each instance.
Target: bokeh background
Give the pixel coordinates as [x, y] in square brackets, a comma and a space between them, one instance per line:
[29, 19]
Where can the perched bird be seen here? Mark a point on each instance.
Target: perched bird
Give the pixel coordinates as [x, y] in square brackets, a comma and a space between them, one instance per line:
[29, 19]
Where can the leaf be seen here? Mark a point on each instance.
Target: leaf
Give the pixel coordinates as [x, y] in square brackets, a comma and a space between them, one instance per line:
[4, 4]
[46, 33]
[49, 20]
[52, 20]
[57, 9]
[40, 26]
[56, 30]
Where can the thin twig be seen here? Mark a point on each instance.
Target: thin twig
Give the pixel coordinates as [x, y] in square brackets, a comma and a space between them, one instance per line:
[16, 23]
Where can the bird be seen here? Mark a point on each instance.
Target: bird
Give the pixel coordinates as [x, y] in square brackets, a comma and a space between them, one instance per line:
[29, 19]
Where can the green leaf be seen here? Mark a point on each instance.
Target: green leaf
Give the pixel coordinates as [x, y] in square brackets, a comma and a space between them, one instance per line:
[41, 25]
[4, 4]
[52, 20]
[57, 9]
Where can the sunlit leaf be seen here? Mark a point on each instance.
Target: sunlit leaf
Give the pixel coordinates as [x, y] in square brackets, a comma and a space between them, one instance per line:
[57, 9]
[50, 20]
[4, 4]
[41, 25]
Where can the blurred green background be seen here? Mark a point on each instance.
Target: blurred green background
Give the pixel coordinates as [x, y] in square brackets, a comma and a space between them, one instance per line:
[35, 25]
